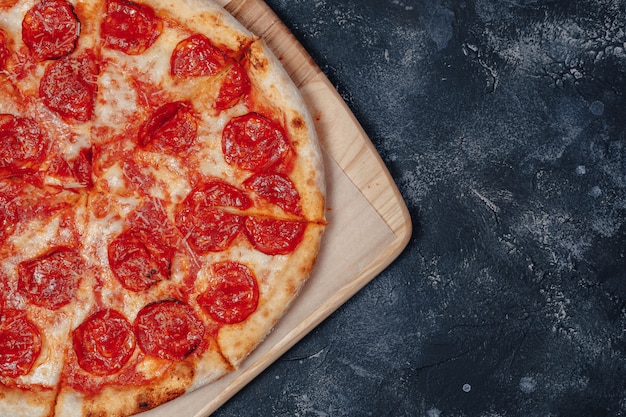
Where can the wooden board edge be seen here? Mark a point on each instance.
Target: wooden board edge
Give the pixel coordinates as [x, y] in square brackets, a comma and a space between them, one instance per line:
[372, 270]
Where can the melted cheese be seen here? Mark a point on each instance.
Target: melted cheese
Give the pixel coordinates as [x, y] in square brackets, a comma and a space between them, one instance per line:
[117, 100]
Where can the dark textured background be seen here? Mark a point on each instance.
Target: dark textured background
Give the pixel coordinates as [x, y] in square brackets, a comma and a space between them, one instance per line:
[503, 124]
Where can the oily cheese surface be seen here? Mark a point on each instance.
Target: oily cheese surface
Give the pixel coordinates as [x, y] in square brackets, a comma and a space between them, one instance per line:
[163, 195]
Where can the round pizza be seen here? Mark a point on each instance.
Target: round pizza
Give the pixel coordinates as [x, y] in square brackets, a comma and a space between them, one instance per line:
[161, 201]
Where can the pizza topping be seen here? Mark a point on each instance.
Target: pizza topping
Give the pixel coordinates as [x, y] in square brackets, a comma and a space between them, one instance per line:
[20, 343]
[273, 236]
[218, 193]
[277, 189]
[4, 50]
[171, 128]
[203, 220]
[74, 174]
[233, 293]
[69, 88]
[81, 167]
[22, 144]
[255, 143]
[51, 280]
[9, 212]
[207, 229]
[235, 85]
[137, 260]
[50, 29]
[138, 174]
[104, 342]
[130, 27]
[168, 330]
[141, 255]
[196, 56]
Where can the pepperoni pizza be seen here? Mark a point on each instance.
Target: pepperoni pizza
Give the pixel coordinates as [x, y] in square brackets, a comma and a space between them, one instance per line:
[161, 201]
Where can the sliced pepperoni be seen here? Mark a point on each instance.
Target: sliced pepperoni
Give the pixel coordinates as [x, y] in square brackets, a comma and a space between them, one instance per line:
[50, 29]
[8, 215]
[138, 261]
[20, 343]
[236, 84]
[20, 201]
[75, 173]
[273, 236]
[4, 50]
[168, 330]
[171, 128]
[130, 27]
[151, 219]
[104, 342]
[255, 143]
[22, 144]
[208, 229]
[139, 175]
[218, 193]
[51, 280]
[69, 87]
[141, 255]
[82, 167]
[203, 220]
[196, 56]
[277, 189]
[233, 293]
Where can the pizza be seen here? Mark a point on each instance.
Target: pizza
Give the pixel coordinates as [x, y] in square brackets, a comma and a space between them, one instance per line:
[162, 201]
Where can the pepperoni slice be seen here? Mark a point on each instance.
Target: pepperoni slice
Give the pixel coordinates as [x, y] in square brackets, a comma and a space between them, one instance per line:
[19, 201]
[50, 29]
[22, 144]
[208, 229]
[51, 280]
[233, 293]
[204, 223]
[104, 342]
[82, 167]
[196, 56]
[236, 84]
[277, 189]
[69, 87]
[171, 128]
[168, 330]
[4, 50]
[138, 174]
[255, 143]
[138, 260]
[9, 212]
[20, 343]
[130, 27]
[273, 236]
[218, 193]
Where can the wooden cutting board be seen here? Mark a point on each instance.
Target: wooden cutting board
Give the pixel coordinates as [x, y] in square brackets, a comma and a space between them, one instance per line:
[368, 221]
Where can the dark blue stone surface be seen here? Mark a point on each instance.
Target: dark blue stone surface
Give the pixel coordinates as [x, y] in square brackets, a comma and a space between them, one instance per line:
[504, 125]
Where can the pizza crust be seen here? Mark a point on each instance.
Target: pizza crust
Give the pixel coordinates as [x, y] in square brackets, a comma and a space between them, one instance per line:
[27, 402]
[125, 400]
[280, 288]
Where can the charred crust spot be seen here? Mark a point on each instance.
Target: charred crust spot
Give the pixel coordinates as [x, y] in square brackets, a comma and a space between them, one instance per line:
[152, 398]
[298, 123]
